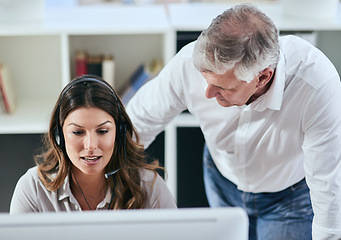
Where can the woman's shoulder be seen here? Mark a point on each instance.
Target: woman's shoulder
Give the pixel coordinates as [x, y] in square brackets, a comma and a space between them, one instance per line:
[152, 181]
[31, 174]
[148, 175]
[158, 194]
[29, 180]
[25, 194]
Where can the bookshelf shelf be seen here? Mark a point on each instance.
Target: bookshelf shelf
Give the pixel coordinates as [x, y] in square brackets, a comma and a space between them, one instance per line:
[31, 116]
[41, 55]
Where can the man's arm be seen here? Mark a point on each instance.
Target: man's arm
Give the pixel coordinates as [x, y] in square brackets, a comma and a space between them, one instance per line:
[322, 148]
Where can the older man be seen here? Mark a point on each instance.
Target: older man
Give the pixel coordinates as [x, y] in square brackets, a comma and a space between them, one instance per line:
[269, 109]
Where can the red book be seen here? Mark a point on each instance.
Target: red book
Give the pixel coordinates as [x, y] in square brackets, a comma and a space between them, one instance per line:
[81, 63]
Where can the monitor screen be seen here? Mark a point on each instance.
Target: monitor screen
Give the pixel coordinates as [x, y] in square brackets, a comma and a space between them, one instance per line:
[161, 224]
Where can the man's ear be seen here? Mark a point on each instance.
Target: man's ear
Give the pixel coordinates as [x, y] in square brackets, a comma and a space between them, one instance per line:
[264, 77]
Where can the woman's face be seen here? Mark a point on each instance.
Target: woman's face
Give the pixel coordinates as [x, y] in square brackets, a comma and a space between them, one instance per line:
[89, 139]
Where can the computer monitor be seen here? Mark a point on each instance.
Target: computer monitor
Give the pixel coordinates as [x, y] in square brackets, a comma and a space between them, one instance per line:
[161, 224]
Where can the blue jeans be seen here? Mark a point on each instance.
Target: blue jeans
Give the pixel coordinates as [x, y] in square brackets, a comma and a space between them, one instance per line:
[284, 215]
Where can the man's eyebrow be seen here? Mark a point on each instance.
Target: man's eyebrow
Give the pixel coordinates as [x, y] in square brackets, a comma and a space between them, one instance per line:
[220, 87]
[226, 88]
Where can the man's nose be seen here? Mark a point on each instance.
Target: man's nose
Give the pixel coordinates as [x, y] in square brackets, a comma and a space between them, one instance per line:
[211, 91]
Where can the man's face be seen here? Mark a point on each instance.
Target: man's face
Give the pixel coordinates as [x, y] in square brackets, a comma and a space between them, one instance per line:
[228, 90]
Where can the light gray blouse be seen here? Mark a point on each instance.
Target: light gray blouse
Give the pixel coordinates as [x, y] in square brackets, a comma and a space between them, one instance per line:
[30, 195]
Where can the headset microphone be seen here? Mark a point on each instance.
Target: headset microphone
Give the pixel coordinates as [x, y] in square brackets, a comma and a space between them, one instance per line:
[109, 174]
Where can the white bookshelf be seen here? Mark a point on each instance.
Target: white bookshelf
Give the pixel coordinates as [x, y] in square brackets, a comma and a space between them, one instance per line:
[40, 54]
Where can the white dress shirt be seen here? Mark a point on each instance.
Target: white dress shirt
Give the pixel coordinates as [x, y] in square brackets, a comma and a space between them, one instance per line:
[30, 195]
[291, 132]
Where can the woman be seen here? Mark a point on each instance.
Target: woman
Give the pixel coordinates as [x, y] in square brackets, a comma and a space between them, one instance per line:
[91, 160]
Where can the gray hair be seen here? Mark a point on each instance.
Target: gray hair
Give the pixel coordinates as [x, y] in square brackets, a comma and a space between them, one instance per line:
[242, 37]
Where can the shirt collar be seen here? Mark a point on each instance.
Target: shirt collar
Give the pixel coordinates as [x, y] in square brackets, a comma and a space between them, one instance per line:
[106, 201]
[273, 98]
[64, 191]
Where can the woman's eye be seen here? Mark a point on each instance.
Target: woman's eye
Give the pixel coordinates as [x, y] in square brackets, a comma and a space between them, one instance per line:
[102, 131]
[77, 132]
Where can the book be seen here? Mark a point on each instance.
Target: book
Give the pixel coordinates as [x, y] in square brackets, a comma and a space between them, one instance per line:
[108, 69]
[138, 78]
[81, 63]
[94, 65]
[100, 65]
[141, 75]
[7, 90]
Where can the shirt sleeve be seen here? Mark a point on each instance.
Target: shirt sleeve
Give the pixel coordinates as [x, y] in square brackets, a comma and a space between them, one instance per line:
[322, 149]
[24, 198]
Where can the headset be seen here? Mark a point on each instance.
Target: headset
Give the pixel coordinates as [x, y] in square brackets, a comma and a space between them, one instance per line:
[59, 137]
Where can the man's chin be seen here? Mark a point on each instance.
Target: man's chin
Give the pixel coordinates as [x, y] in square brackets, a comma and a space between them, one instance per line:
[224, 103]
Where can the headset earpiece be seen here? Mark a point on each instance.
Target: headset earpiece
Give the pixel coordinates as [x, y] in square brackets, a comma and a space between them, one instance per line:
[57, 136]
